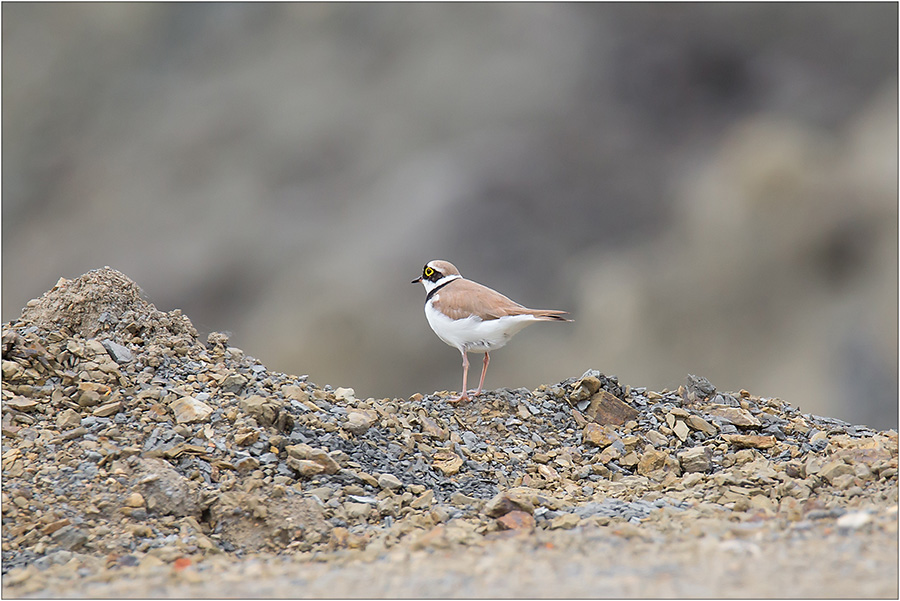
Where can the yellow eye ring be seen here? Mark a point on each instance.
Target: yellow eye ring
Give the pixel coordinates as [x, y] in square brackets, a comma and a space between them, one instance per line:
[429, 272]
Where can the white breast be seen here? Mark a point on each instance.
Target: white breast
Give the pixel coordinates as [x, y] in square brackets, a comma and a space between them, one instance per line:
[472, 334]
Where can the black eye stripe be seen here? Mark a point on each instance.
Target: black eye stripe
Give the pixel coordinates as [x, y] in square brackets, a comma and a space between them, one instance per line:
[434, 276]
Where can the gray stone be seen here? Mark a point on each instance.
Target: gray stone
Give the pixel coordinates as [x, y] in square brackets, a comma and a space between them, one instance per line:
[246, 464]
[389, 481]
[69, 538]
[697, 459]
[68, 419]
[119, 353]
[165, 490]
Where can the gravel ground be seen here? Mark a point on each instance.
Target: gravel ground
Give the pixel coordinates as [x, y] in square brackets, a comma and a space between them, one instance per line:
[140, 461]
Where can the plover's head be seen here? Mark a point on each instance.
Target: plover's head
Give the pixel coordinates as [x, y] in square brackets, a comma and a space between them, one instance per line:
[436, 273]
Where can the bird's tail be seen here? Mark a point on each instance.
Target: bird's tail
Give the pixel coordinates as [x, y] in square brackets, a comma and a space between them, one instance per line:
[549, 315]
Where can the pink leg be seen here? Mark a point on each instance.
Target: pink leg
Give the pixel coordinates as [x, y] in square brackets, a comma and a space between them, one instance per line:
[464, 396]
[484, 365]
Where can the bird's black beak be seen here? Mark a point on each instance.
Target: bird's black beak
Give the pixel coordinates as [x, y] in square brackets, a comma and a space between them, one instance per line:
[417, 280]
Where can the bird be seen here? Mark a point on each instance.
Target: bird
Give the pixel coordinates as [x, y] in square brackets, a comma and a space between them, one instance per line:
[472, 317]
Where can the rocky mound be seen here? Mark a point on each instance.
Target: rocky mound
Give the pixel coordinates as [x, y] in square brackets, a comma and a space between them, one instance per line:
[128, 443]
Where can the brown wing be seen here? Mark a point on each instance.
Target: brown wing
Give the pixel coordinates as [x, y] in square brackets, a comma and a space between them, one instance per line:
[461, 298]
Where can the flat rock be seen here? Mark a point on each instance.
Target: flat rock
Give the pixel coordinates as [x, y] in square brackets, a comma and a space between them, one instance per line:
[516, 520]
[448, 462]
[345, 394]
[165, 491]
[189, 410]
[359, 422]
[135, 499]
[753, 441]
[696, 459]
[651, 460]
[681, 430]
[305, 452]
[389, 482]
[698, 423]
[70, 538]
[607, 409]
[305, 467]
[832, 470]
[598, 435]
[735, 416]
[108, 409]
[508, 501]
[565, 521]
[22, 404]
[120, 354]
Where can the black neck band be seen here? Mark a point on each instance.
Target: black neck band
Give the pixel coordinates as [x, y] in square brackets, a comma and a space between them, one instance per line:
[436, 288]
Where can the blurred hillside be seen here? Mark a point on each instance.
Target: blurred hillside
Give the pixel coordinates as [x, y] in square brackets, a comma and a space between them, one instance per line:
[708, 188]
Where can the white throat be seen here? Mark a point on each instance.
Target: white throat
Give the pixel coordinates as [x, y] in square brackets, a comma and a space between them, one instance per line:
[429, 285]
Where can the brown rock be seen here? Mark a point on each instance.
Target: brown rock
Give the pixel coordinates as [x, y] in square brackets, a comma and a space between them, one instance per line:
[54, 526]
[189, 410]
[516, 520]
[436, 537]
[584, 389]
[508, 501]
[92, 393]
[71, 434]
[68, 419]
[630, 459]
[357, 510]
[657, 439]
[135, 499]
[579, 418]
[166, 491]
[597, 435]
[423, 501]
[108, 409]
[305, 452]
[834, 469]
[367, 478]
[246, 436]
[389, 482]
[265, 411]
[305, 467]
[20, 403]
[565, 521]
[698, 423]
[739, 417]
[248, 464]
[232, 383]
[11, 370]
[607, 409]
[70, 538]
[343, 538]
[548, 473]
[448, 462]
[359, 422]
[431, 428]
[345, 394]
[697, 459]
[609, 454]
[754, 441]
[340, 536]
[294, 392]
[651, 460]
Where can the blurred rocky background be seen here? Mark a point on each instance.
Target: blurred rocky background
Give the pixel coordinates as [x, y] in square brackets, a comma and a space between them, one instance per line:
[708, 188]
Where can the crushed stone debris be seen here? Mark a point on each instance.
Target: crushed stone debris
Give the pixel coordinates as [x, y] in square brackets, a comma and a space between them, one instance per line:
[130, 444]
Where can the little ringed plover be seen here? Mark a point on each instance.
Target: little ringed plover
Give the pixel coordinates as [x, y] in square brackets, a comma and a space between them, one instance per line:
[473, 318]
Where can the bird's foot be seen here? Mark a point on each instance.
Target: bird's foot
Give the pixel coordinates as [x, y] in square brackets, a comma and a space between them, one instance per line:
[463, 398]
